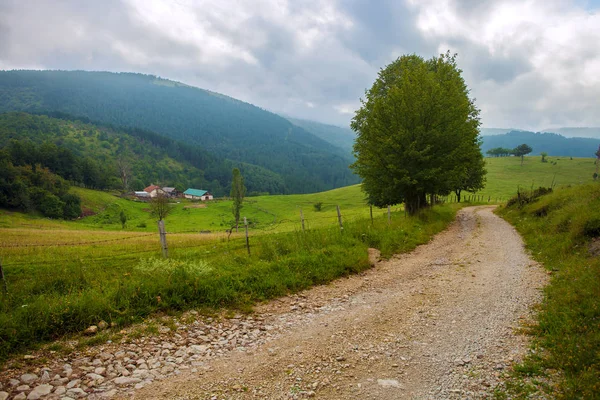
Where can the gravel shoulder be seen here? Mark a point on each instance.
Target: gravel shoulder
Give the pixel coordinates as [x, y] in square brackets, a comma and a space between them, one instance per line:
[439, 322]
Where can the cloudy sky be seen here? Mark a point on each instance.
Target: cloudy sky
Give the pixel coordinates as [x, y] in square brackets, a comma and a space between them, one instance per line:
[530, 64]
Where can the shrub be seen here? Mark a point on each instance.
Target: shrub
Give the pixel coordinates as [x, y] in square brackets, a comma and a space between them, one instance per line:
[318, 206]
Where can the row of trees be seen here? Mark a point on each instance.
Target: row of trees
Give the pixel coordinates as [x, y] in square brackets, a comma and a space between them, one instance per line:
[418, 134]
[519, 151]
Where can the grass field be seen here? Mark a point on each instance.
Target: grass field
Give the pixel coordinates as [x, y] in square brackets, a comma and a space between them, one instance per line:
[61, 281]
[66, 275]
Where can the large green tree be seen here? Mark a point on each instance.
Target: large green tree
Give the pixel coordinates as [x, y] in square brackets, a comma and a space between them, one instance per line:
[417, 133]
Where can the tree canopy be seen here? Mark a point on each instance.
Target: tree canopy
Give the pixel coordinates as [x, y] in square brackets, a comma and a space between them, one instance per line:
[418, 133]
[521, 150]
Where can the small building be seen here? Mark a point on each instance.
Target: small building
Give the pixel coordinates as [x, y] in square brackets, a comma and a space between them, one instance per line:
[142, 195]
[171, 191]
[197, 194]
[154, 190]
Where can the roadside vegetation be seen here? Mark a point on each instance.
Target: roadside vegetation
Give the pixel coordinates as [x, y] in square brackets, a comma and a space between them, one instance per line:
[66, 280]
[562, 231]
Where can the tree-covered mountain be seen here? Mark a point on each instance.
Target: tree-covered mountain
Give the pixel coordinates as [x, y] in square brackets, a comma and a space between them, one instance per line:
[223, 126]
[551, 143]
[336, 135]
[95, 156]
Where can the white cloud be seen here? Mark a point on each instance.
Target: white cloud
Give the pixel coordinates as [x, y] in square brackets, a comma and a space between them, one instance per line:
[558, 40]
[529, 63]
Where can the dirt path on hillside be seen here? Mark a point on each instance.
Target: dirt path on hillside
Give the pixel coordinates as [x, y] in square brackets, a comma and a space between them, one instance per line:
[440, 322]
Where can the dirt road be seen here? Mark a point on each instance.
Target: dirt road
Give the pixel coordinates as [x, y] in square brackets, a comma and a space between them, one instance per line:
[437, 323]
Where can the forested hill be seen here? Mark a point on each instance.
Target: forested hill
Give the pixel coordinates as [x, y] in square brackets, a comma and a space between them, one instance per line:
[551, 143]
[92, 156]
[336, 135]
[225, 127]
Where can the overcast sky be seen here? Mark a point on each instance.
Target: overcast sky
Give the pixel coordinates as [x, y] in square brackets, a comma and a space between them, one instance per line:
[529, 64]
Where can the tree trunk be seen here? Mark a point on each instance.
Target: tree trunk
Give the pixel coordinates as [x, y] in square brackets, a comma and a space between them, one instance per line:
[457, 195]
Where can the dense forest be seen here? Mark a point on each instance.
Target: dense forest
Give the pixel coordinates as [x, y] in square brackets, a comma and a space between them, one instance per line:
[336, 135]
[94, 156]
[225, 128]
[551, 143]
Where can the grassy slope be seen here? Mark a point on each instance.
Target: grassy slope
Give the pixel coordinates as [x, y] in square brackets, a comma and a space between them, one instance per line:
[505, 174]
[558, 229]
[61, 281]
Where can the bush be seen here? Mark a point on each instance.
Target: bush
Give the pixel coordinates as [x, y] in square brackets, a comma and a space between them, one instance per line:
[72, 207]
[51, 206]
[523, 198]
[318, 206]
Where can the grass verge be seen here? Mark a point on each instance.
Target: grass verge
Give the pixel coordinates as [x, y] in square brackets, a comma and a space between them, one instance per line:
[562, 231]
[61, 289]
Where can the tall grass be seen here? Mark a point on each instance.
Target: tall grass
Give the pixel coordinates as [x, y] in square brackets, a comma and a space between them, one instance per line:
[56, 290]
[560, 229]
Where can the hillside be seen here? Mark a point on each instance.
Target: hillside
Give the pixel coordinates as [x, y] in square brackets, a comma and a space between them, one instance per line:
[91, 155]
[551, 143]
[223, 126]
[336, 135]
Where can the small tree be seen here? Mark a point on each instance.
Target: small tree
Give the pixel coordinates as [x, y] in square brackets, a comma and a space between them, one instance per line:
[521, 151]
[238, 191]
[544, 155]
[160, 207]
[318, 205]
[123, 219]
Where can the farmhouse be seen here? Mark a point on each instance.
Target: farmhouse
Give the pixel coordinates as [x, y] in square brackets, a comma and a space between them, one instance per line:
[170, 191]
[196, 194]
[154, 190]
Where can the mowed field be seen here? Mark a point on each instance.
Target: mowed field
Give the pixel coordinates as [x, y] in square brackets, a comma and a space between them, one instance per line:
[65, 275]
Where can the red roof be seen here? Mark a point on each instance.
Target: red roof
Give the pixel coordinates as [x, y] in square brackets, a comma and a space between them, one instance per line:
[150, 188]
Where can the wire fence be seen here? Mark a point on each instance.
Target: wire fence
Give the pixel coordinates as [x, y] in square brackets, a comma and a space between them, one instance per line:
[234, 243]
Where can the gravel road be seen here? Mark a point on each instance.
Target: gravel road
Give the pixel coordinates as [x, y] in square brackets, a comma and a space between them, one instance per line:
[440, 322]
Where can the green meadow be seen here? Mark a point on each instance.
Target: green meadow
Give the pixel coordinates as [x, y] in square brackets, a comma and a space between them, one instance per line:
[63, 276]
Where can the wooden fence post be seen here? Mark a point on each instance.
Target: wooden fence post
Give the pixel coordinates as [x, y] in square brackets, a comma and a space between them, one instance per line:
[4, 288]
[247, 240]
[340, 218]
[302, 219]
[389, 215]
[163, 238]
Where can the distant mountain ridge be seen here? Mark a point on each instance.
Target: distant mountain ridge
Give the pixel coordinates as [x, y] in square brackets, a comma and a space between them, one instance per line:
[583, 132]
[551, 143]
[227, 128]
[336, 135]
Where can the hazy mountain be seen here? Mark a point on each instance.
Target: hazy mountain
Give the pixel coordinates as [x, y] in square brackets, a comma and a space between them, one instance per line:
[494, 131]
[551, 143]
[577, 132]
[336, 135]
[227, 128]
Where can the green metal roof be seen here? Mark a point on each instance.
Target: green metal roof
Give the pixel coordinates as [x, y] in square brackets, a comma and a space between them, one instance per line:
[195, 192]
